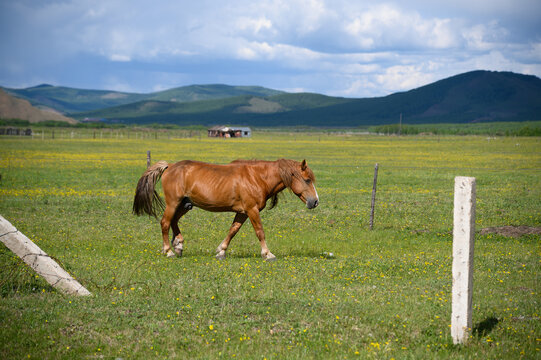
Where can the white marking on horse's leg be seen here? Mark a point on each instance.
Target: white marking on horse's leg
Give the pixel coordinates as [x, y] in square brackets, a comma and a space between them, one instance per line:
[270, 257]
[220, 248]
[170, 253]
[267, 255]
[220, 255]
[178, 244]
[220, 251]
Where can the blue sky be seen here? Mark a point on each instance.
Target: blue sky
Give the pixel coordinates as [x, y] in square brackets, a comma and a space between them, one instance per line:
[341, 48]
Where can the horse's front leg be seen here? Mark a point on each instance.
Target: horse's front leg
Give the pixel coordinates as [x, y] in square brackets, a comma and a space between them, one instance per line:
[258, 227]
[235, 227]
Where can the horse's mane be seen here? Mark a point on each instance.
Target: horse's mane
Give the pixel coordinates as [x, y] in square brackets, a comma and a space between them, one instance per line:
[288, 169]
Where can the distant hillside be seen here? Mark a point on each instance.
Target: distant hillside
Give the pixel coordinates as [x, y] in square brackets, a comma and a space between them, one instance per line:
[69, 100]
[477, 96]
[13, 108]
[210, 92]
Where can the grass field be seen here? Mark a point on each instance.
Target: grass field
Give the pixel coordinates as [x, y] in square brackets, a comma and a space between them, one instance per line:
[384, 293]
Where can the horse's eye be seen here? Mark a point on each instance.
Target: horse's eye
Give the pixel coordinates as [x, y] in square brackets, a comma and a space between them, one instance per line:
[308, 181]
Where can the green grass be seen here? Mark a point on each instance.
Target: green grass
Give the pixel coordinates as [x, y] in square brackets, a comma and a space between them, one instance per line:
[525, 128]
[385, 293]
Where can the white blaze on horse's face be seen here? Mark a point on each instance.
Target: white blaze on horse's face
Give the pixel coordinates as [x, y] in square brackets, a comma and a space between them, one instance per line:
[303, 186]
[313, 201]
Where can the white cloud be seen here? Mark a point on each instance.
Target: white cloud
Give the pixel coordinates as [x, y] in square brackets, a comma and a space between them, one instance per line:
[255, 26]
[263, 51]
[484, 37]
[119, 57]
[388, 26]
[352, 48]
[403, 77]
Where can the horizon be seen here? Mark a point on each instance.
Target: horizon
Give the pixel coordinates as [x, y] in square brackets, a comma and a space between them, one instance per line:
[253, 86]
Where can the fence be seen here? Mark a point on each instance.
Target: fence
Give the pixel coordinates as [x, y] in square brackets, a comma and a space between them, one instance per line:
[62, 133]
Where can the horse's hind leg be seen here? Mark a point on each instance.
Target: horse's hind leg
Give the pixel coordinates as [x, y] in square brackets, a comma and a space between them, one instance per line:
[235, 227]
[178, 241]
[165, 223]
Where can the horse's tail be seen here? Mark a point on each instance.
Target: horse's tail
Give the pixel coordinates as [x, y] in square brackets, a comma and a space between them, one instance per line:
[147, 200]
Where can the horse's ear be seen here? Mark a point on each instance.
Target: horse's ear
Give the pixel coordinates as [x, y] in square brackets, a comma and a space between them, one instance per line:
[303, 165]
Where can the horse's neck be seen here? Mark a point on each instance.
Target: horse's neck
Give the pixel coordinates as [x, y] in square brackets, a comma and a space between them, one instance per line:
[275, 182]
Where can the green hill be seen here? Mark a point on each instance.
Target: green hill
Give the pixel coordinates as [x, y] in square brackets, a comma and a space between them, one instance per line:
[477, 96]
[69, 100]
[209, 92]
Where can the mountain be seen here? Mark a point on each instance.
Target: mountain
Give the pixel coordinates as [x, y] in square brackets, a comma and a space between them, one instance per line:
[14, 108]
[477, 96]
[69, 100]
[208, 92]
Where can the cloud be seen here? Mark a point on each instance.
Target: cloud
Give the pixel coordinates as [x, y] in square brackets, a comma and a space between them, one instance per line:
[338, 47]
[119, 57]
[390, 27]
[404, 77]
[255, 26]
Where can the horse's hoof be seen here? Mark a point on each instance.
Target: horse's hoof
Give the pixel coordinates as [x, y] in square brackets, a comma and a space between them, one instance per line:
[270, 257]
[177, 246]
[170, 253]
[220, 256]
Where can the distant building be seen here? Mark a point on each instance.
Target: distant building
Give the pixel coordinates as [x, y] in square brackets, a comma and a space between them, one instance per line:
[229, 131]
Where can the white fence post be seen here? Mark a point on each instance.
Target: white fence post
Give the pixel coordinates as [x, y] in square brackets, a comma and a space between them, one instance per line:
[38, 260]
[463, 244]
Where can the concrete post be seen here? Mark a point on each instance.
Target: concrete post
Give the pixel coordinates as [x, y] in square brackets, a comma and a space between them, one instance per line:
[38, 260]
[463, 244]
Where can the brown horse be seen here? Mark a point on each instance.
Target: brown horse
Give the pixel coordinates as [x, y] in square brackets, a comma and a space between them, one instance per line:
[242, 187]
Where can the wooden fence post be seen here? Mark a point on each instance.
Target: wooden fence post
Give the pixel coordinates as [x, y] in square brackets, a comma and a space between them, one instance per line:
[148, 159]
[38, 260]
[373, 197]
[463, 244]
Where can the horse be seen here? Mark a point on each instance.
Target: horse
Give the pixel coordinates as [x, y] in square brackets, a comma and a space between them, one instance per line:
[242, 187]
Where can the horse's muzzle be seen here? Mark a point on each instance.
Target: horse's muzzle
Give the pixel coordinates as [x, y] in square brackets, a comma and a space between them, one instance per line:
[312, 203]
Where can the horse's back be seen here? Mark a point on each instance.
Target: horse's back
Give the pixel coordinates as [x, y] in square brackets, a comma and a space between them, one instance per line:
[216, 187]
[189, 176]
[237, 169]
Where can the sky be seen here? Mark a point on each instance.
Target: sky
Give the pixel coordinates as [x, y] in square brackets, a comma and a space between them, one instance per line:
[349, 48]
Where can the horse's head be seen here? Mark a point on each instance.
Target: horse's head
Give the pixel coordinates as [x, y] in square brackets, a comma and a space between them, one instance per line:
[301, 180]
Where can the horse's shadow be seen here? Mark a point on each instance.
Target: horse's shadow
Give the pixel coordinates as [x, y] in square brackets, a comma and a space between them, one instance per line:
[485, 326]
[239, 254]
